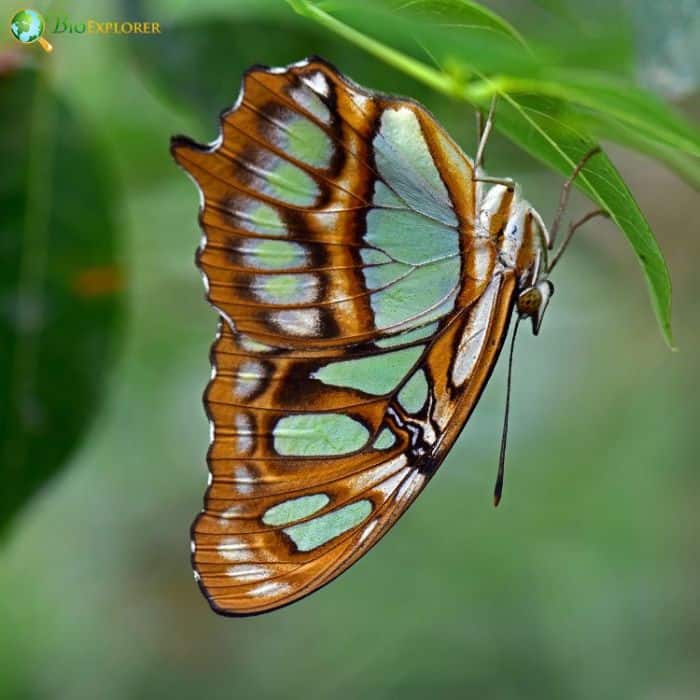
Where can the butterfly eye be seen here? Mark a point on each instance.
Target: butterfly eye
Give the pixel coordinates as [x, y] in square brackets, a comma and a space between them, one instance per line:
[533, 301]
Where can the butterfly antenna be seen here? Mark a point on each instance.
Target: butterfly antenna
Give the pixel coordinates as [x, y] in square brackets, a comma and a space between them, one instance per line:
[498, 489]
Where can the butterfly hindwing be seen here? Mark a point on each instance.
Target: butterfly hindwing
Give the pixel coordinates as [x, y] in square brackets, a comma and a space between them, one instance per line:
[313, 458]
[362, 309]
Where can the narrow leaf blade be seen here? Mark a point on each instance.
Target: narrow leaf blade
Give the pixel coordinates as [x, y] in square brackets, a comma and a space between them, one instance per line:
[535, 126]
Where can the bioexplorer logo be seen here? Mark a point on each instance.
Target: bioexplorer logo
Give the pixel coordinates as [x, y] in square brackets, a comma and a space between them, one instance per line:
[29, 26]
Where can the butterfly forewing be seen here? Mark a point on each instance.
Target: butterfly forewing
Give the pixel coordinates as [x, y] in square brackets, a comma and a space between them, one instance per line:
[362, 308]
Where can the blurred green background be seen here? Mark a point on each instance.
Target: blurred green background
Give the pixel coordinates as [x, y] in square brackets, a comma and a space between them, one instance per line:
[583, 584]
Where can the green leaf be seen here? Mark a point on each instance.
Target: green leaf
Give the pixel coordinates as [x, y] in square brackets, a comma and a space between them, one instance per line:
[634, 108]
[540, 127]
[463, 14]
[685, 166]
[546, 127]
[412, 32]
[59, 285]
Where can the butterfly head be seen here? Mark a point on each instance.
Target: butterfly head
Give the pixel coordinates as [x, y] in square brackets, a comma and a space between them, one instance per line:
[533, 301]
[523, 243]
[536, 288]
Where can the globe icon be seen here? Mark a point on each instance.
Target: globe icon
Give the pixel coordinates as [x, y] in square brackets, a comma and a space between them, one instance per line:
[27, 26]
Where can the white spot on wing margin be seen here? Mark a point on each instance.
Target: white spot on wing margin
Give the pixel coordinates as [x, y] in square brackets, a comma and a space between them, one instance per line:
[270, 588]
[318, 83]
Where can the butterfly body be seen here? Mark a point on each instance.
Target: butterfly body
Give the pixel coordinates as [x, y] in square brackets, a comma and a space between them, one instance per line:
[365, 278]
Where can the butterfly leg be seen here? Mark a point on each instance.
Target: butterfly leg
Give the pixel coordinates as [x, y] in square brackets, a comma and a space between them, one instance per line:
[483, 132]
[572, 229]
[564, 196]
[505, 181]
[479, 126]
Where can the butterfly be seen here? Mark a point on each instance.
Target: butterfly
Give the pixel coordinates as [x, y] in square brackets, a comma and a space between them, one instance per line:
[365, 271]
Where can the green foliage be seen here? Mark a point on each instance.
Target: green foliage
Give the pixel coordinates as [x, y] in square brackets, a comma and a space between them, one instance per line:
[59, 284]
[583, 584]
[477, 56]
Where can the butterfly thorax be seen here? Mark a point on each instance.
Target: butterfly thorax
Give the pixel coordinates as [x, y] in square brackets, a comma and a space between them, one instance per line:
[521, 240]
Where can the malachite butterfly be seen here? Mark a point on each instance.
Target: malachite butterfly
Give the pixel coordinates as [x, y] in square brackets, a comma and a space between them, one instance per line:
[365, 274]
